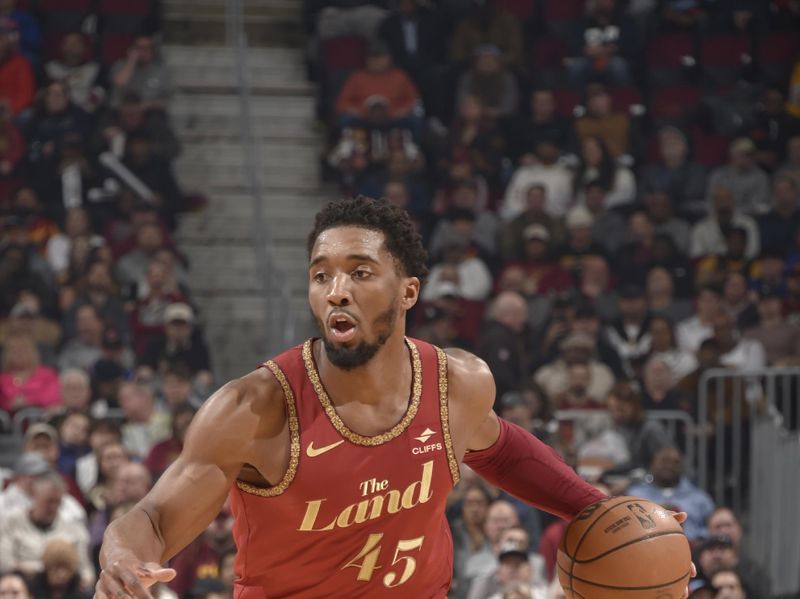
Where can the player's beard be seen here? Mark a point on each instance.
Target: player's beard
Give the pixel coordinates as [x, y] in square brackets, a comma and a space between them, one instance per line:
[348, 358]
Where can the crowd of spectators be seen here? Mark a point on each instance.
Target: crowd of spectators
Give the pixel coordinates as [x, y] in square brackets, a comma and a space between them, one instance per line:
[609, 192]
[103, 361]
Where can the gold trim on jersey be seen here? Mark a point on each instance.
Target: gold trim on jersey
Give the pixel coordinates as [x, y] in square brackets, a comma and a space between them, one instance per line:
[294, 445]
[444, 413]
[339, 425]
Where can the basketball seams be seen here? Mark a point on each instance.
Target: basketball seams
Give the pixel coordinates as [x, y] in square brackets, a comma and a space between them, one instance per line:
[627, 544]
[687, 575]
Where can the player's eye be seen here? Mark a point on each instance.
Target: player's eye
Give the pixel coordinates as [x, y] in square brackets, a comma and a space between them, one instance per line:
[320, 277]
[361, 274]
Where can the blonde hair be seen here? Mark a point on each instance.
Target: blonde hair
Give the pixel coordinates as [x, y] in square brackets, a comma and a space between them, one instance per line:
[59, 552]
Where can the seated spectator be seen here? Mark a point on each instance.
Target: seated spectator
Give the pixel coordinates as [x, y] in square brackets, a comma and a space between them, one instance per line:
[791, 166]
[131, 118]
[25, 320]
[12, 148]
[97, 288]
[658, 388]
[663, 346]
[614, 128]
[671, 489]
[780, 338]
[516, 565]
[76, 224]
[101, 433]
[83, 350]
[503, 341]
[675, 174]
[24, 381]
[491, 82]
[773, 125]
[464, 269]
[17, 85]
[156, 174]
[132, 266]
[546, 171]
[163, 453]
[145, 422]
[595, 287]
[182, 342]
[24, 534]
[693, 331]
[148, 314]
[381, 78]
[55, 121]
[736, 300]
[748, 184]
[439, 327]
[78, 71]
[26, 27]
[144, 73]
[579, 244]
[658, 206]
[555, 378]
[541, 273]
[19, 273]
[487, 24]
[176, 388]
[73, 434]
[76, 389]
[638, 255]
[468, 529]
[777, 226]
[14, 585]
[629, 334]
[708, 235]
[111, 457]
[534, 213]
[729, 585]
[605, 45]
[484, 227]
[609, 228]
[60, 578]
[543, 123]
[718, 555]
[660, 294]
[741, 353]
[597, 165]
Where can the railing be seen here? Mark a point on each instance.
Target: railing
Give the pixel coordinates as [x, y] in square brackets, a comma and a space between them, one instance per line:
[5, 422]
[279, 321]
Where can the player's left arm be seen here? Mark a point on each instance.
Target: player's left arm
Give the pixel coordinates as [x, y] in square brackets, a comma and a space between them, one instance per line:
[504, 454]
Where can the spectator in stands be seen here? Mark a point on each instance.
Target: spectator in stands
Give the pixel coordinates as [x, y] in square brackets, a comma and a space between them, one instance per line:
[24, 534]
[73, 434]
[541, 273]
[708, 235]
[558, 378]
[111, 457]
[84, 349]
[638, 255]
[55, 121]
[76, 389]
[661, 300]
[534, 213]
[24, 381]
[675, 174]
[779, 224]
[736, 300]
[130, 483]
[728, 585]
[773, 126]
[748, 184]
[546, 171]
[601, 121]
[60, 578]
[503, 341]
[595, 286]
[663, 346]
[182, 342]
[693, 331]
[469, 536]
[484, 227]
[12, 146]
[148, 313]
[14, 586]
[485, 24]
[543, 123]
[718, 554]
[597, 165]
[19, 272]
[780, 339]
[658, 388]
[176, 387]
[144, 73]
[741, 353]
[76, 224]
[791, 166]
[25, 319]
[516, 565]
[629, 334]
[609, 229]
[464, 269]
[132, 266]
[145, 422]
[78, 71]
[381, 78]
[671, 489]
[17, 85]
[658, 205]
[102, 432]
[156, 174]
[98, 289]
[491, 82]
[605, 46]
[165, 452]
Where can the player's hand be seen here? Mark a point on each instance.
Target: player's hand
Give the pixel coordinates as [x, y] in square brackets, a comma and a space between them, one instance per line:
[128, 578]
[681, 518]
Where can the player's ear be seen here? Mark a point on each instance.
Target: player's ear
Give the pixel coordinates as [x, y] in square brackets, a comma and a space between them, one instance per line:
[411, 286]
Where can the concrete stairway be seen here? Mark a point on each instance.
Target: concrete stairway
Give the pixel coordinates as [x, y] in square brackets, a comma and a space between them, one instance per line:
[226, 279]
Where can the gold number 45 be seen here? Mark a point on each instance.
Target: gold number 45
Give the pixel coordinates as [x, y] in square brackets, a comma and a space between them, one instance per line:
[370, 553]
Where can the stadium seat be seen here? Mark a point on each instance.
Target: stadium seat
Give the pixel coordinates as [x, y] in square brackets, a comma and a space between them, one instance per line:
[566, 101]
[345, 52]
[624, 99]
[675, 103]
[561, 15]
[667, 55]
[709, 150]
[522, 9]
[123, 16]
[63, 15]
[777, 53]
[548, 52]
[114, 46]
[124, 7]
[723, 56]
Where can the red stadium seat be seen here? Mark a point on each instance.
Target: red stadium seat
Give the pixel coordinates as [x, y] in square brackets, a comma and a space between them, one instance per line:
[674, 102]
[623, 98]
[779, 48]
[668, 50]
[114, 46]
[522, 9]
[124, 7]
[345, 52]
[563, 10]
[710, 150]
[548, 53]
[64, 5]
[724, 50]
[566, 101]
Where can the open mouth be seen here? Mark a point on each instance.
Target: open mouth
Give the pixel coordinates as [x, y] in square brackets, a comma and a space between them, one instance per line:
[342, 327]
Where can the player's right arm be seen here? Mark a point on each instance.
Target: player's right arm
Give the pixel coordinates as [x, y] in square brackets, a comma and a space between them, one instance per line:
[244, 423]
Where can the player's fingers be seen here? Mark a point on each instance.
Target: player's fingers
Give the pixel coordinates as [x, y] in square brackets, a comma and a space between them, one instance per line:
[680, 516]
[161, 574]
[133, 585]
[113, 587]
[694, 570]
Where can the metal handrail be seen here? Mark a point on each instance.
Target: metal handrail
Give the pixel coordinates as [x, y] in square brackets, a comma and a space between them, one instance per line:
[280, 324]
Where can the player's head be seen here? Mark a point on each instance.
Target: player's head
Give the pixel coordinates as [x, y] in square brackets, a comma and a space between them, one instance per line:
[366, 266]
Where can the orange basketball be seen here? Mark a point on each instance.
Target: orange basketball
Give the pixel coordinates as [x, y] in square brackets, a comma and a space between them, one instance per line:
[624, 548]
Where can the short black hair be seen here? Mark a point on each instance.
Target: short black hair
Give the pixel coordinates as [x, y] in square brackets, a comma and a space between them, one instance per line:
[403, 241]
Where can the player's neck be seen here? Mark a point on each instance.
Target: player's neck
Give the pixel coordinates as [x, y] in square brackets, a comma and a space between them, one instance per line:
[380, 378]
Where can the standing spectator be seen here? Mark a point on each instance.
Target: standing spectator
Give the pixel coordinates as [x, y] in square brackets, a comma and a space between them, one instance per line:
[779, 224]
[691, 332]
[144, 73]
[503, 342]
[60, 578]
[491, 82]
[145, 423]
[675, 174]
[600, 120]
[598, 165]
[76, 69]
[709, 234]
[744, 178]
[670, 488]
[84, 349]
[485, 24]
[17, 84]
[24, 381]
[548, 172]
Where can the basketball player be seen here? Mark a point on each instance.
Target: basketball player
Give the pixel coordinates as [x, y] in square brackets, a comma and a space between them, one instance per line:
[339, 454]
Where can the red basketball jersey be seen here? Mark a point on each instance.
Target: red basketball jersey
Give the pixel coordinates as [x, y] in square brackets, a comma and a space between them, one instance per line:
[354, 516]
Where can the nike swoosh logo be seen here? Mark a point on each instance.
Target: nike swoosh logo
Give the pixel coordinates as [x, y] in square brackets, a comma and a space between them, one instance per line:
[313, 452]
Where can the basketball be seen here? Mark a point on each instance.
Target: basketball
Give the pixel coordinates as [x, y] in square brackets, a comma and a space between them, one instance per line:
[624, 548]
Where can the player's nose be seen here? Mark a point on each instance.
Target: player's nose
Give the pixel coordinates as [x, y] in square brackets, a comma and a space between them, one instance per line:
[339, 291]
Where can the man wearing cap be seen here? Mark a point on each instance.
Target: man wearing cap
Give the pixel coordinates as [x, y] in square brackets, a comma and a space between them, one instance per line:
[535, 213]
[542, 275]
[491, 82]
[516, 563]
[708, 235]
[546, 171]
[742, 175]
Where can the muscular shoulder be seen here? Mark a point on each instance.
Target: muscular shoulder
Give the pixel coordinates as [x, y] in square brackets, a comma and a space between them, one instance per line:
[470, 381]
